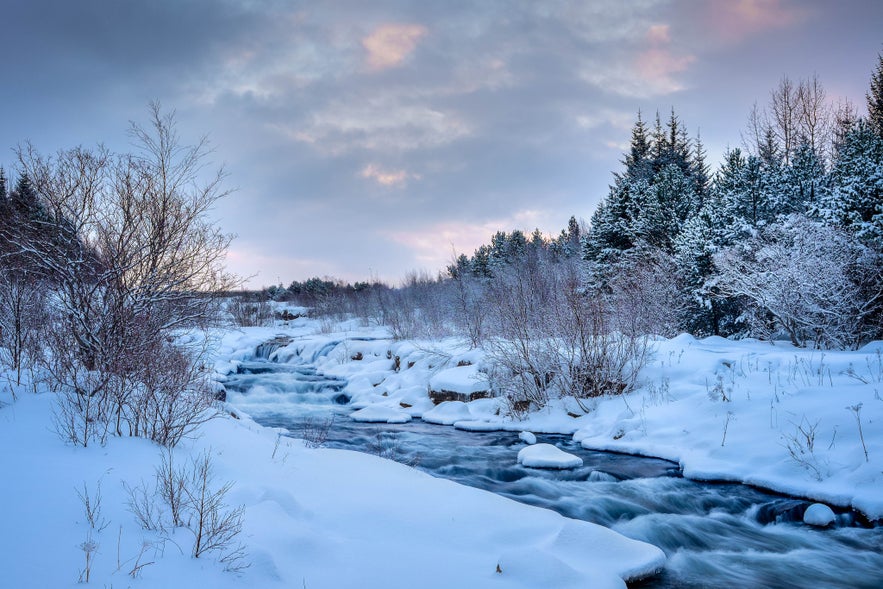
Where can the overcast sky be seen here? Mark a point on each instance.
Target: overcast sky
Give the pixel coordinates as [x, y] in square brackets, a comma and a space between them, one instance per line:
[369, 138]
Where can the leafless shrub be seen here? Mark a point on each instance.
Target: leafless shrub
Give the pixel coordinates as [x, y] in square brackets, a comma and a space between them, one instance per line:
[141, 503]
[171, 486]
[643, 295]
[801, 447]
[314, 432]
[469, 308]
[815, 281]
[250, 313]
[92, 508]
[214, 526]
[554, 340]
[80, 414]
[173, 399]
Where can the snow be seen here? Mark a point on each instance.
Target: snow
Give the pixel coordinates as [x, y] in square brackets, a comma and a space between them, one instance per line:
[460, 379]
[311, 517]
[819, 514]
[527, 437]
[381, 415]
[724, 410]
[447, 412]
[547, 456]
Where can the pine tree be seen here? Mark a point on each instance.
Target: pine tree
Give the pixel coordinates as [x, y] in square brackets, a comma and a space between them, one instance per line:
[637, 161]
[804, 182]
[875, 98]
[855, 201]
[700, 172]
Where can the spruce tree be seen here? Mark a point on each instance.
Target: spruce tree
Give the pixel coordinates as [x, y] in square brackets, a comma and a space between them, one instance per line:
[875, 98]
[637, 161]
[855, 201]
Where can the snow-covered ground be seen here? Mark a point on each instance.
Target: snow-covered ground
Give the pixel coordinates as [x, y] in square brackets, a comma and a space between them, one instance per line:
[312, 517]
[770, 415]
[801, 422]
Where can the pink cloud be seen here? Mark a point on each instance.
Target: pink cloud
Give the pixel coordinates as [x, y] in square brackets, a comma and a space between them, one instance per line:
[434, 245]
[658, 68]
[734, 20]
[388, 178]
[390, 44]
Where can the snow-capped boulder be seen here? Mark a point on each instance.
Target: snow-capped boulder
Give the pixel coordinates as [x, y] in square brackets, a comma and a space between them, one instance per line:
[528, 438]
[448, 412]
[547, 456]
[461, 383]
[373, 414]
[819, 514]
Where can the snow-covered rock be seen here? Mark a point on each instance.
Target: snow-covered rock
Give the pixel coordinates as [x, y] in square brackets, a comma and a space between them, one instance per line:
[819, 514]
[379, 414]
[547, 456]
[528, 438]
[448, 412]
[461, 383]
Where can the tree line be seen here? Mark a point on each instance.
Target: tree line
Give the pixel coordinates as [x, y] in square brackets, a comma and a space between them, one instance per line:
[783, 240]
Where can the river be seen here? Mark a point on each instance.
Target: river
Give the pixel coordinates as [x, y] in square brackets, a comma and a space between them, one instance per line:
[715, 535]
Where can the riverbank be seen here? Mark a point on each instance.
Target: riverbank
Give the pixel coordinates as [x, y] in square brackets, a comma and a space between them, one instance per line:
[804, 423]
[316, 518]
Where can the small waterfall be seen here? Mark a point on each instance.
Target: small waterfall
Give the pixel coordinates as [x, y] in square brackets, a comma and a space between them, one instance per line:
[267, 348]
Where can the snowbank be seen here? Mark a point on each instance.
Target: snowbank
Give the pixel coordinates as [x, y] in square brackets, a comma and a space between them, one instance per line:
[380, 415]
[547, 456]
[742, 411]
[312, 517]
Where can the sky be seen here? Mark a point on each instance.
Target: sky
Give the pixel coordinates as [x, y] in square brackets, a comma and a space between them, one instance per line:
[364, 140]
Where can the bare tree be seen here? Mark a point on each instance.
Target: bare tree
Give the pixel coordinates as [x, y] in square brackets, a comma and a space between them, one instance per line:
[814, 115]
[127, 245]
[785, 114]
[22, 318]
[797, 113]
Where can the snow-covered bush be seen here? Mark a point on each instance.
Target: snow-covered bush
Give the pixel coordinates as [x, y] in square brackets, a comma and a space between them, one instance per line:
[813, 282]
[553, 339]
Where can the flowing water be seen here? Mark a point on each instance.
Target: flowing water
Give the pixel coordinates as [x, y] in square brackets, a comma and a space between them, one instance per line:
[715, 535]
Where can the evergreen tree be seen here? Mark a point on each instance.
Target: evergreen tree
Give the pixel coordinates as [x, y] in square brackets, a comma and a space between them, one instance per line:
[700, 172]
[804, 182]
[875, 98]
[637, 161]
[665, 208]
[855, 201]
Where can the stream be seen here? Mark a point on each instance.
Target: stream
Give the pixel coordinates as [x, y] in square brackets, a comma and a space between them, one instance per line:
[715, 535]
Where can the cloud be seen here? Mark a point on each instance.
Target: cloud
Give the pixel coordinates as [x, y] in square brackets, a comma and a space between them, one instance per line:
[389, 45]
[379, 124]
[388, 178]
[434, 244]
[653, 68]
[735, 20]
